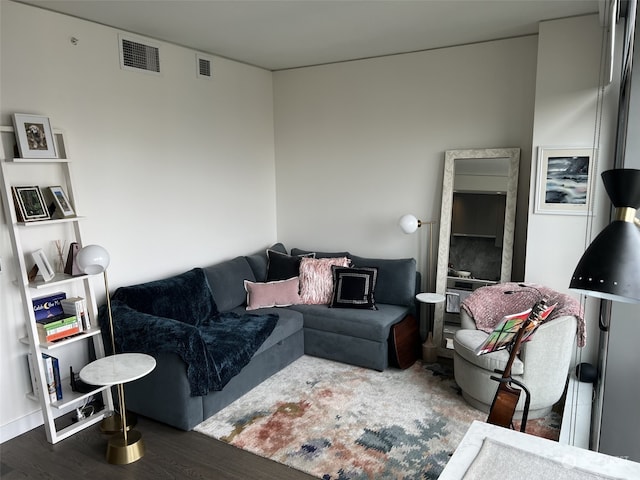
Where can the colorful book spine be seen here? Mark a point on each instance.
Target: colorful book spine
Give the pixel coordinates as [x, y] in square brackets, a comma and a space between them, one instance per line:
[58, 329]
[77, 306]
[56, 378]
[50, 378]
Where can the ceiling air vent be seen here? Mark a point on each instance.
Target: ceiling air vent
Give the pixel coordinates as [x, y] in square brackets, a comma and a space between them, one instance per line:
[139, 54]
[203, 65]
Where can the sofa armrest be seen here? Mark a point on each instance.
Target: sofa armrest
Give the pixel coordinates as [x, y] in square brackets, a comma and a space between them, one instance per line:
[166, 297]
[141, 332]
[466, 321]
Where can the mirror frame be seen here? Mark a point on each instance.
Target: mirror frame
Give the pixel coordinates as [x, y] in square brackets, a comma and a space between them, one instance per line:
[513, 154]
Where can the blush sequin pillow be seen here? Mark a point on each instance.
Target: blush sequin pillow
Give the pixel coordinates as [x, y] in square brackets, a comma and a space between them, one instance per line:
[316, 279]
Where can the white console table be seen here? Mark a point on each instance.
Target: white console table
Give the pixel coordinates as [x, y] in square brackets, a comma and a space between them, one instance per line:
[535, 449]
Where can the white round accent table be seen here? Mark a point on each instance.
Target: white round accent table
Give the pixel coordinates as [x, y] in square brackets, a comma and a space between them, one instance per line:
[125, 446]
[430, 297]
[430, 349]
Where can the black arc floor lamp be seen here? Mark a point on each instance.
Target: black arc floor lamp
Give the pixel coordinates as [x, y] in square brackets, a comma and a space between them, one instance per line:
[610, 267]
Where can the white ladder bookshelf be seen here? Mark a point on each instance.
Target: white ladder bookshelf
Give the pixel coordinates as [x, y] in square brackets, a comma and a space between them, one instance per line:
[25, 237]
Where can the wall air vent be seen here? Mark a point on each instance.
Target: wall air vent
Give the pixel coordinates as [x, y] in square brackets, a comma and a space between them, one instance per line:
[203, 65]
[139, 54]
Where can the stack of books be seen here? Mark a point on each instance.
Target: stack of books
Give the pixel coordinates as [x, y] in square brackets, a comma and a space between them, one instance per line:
[53, 322]
[77, 306]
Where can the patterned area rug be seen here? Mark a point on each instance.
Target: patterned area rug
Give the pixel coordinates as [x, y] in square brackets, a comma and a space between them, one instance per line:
[340, 422]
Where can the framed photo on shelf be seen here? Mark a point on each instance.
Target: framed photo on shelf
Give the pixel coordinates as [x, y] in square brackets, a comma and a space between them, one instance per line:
[61, 202]
[564, 178]
[44, 267]
[34, 136]
[30, 204]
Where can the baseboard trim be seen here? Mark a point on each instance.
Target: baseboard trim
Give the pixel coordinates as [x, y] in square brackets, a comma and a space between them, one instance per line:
[20, 426]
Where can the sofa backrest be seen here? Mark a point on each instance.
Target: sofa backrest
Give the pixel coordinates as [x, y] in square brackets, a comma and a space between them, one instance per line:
[299, 252]
[259, 261]
[396, 283]
[185, 297]
[226, 280]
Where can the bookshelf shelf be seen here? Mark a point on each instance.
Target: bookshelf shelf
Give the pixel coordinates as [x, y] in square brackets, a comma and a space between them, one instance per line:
[80, 287]
[50, 346]
[54, 221]
[59, 280]
[69, 397]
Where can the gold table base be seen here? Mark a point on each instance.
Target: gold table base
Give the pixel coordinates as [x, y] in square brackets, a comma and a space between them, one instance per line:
[113, 423]
[123, 452]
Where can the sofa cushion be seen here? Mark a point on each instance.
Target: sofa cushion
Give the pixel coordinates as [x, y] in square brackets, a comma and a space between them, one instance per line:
[298, 251]
[465, 343]
[166, 298]
[281, 266]
[289, 322]
[280, 293]
[366, 324]
[226, 280]
[258, 261]
[354, 287]
[316, 280]
[396, 282]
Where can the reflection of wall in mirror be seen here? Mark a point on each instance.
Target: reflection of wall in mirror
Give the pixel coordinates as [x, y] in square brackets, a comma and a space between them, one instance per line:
[477, 230]
[476, 255]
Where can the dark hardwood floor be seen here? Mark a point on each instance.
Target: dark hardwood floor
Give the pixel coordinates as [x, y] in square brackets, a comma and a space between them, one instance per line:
[169, 453]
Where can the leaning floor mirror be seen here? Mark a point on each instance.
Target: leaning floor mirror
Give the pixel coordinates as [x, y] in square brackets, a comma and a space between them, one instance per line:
[477, 223]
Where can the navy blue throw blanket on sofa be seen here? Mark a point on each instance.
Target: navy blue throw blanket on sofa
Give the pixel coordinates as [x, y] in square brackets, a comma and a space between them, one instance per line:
[178, 315]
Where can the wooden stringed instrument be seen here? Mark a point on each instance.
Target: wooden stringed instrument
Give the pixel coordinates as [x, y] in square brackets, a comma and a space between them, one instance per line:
[506, 399]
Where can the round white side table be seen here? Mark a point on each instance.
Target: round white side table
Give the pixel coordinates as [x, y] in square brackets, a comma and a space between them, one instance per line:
[125, 446]
[430, 297]
[430, 349]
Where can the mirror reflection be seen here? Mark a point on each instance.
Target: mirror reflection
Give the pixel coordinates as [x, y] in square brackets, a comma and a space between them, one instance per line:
[477, 223]
[477, 217]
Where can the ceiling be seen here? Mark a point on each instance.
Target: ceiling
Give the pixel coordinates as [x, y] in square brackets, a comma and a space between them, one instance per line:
[283, 34]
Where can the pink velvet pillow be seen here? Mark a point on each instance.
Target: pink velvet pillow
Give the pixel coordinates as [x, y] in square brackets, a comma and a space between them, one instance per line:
[280, 293]
[316, 279]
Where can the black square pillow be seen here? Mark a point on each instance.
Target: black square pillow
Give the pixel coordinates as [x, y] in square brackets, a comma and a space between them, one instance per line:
[281, 266]
[354, 287]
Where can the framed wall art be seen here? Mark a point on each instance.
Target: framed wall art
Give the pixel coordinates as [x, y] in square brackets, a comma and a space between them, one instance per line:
[563, 183]
[29, 204]
[34, 136]
[61, 202]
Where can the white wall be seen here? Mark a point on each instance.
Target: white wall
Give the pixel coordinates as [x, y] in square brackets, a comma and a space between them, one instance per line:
[565, 116]
[172, 171]
[359, 144]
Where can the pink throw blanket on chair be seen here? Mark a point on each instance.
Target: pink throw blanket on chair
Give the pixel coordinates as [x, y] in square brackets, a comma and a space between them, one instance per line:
[488, 305]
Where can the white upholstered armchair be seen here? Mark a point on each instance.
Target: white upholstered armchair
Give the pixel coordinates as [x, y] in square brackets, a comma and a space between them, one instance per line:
[542, 364]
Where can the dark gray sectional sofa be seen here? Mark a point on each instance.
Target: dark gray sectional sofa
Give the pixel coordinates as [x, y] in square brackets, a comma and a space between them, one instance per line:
[354, 336]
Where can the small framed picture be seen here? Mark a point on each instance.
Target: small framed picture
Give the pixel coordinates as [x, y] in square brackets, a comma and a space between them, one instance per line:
[29, 204]
[44, 267]
[564, 177]
[34, 136]
[61, 202]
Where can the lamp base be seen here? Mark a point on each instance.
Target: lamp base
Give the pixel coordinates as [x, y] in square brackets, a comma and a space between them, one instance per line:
[113, 423]
[121, 453]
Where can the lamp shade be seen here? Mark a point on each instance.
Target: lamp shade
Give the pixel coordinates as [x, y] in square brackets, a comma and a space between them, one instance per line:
[610, 267]
[409, 223]
[93, 259]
